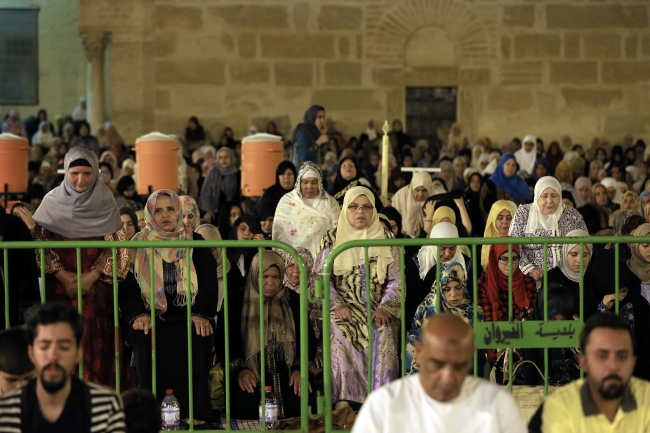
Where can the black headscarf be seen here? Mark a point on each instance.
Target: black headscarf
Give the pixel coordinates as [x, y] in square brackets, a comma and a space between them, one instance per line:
[197, 134]
[393, 214]
[123, 184]
[340, 184]
[271, 197]
[308, 126]
[223, 221]
[567, 195]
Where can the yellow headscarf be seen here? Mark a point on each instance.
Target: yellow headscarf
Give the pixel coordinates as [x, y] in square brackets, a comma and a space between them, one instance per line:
[491, 229]
[444, 212]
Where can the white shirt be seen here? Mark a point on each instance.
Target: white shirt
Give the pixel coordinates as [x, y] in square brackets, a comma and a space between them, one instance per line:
[403, 406]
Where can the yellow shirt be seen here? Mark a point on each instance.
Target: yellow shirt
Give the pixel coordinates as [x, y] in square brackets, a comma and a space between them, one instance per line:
[572, 410]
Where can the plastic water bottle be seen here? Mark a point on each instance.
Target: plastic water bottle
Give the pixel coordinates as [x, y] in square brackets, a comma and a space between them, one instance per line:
[271, 406]
[171, 412]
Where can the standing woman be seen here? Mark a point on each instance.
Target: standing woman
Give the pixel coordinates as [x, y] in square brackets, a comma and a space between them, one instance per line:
[349, 332]
[545, 217]
[305, 214]
[285, 179]
[221, 185]
[309, 136]
[497, 226]
[409, 200]
[83, 208]
[504, 184]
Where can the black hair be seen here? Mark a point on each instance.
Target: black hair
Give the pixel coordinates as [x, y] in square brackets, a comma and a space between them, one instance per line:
[141, 411]
[609, 321]
[52, 312]
[252, 223]
[82, 163]
[13, 352]
[126, 210]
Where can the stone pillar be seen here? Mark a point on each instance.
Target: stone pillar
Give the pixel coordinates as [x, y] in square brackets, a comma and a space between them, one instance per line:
[95, 44]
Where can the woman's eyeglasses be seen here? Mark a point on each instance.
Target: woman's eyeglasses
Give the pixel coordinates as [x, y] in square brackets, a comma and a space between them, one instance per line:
[504, 260]
[365, 208]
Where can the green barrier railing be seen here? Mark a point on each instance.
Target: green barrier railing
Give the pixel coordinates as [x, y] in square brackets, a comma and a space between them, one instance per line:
[488, 335]
[41, 246]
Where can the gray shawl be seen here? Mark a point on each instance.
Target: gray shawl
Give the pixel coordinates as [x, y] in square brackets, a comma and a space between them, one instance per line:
[219, 181]
[74, 214]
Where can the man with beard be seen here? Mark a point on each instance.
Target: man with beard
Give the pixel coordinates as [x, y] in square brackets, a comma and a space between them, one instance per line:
[56, 401]
[609, 399]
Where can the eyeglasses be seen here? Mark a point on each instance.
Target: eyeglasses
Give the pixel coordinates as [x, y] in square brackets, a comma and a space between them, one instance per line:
[365, 208]
[504, 260]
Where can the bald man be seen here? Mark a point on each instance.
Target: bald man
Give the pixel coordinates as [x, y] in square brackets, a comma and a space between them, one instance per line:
[442, 398]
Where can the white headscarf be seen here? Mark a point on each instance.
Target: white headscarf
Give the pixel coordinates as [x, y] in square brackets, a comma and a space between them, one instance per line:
[618, 198]
[566, 249]
[370, 132]
[43, 138]
[79, 113]
[353, 257]
[428, 253]
[538, 219]
[411, 210]
[526, 160]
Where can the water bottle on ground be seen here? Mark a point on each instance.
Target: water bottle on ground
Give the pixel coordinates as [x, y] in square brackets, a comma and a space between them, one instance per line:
[271, 406]
[171, 412]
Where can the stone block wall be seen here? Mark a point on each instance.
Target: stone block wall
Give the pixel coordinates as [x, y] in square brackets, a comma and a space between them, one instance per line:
[548, 67]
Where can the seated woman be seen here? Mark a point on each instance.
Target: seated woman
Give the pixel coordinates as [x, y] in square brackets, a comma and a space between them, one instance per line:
[546, 217]
[164, 219]
[504, 184]
[603, 204]
[227, 217]
[472, 198]
[305, 214]
[285, 180]
[348, 177]
[497, 226]
[567, 274]
[282, 343]
[455, 300]
[493, 290]
[409, 200]
[349, 331]
[590, 213]
[436, 211]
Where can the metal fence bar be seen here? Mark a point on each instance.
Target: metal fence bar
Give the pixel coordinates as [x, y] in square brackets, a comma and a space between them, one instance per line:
[79, 306]
[545, 284]
[6, 288]
[42, 285]
[226, 330]
[116, 321]
[403, 307]
[260, 252]
[188, 303]
[616, 285]
[152, 310]
[475, 298]
[369, 316]
[582, 294]
[510, 316]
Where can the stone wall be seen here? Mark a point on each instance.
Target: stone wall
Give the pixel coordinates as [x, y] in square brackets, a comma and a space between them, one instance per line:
[61, 57]
[545, 67]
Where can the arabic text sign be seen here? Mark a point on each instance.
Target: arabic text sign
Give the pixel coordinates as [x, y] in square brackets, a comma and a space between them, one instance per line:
[528, 334]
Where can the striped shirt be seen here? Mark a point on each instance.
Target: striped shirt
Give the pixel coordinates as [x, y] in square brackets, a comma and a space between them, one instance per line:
[102, 407]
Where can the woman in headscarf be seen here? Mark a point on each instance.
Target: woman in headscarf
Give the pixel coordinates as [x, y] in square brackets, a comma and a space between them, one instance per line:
[493, 288]
[194, 132]
[349, 332]
[585, 205]
[564, 173]
[82, 132]
[604, 205]
[473, 203]
[79, 113]
[554, 155]
[630, 201]
[545, 217]
[222, 184]
[447, 208]
[455, 300]
[527, 155]
[227, 217]
[497, 226]
[109, 157]
[126, 188]
[83, 208]
[174, 285]
[43, 136]
[636, 180]
[567, 273]
[282, 343]
[448, 175]
[504, 184]
[541, 168]
[347, 178]
[398, 137]
[305, 214]
[309, 136]
[285, 180]
[409, 200]
[456, 140]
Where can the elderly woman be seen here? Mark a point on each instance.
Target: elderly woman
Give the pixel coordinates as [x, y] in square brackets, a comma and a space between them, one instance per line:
[409, 200]
[455, 300]
[545, 217]
[305, 214]
[221, 184]
[497, 226]
[82, 208]
[281, 343]
[173, 288]
[349, 333]
[504, 184]
[567, 273]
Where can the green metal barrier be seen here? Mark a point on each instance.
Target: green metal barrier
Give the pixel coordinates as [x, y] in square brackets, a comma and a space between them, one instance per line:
[529, 334]
[151, 245]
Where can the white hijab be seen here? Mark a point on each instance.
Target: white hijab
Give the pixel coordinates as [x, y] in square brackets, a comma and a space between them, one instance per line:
[370, 132]
[353, 257]
[526, 160]
[411, 210]
[428, 253]
[566, 249]
[538, 219]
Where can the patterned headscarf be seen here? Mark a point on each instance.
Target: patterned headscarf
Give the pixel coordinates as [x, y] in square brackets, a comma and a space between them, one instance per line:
[453, 271]
[177, 256]
[188, 205]
[309, 168]
[309, 264]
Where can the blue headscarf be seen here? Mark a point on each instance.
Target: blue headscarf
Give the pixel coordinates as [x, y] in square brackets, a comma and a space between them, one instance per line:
[513, 185]
[541, 160]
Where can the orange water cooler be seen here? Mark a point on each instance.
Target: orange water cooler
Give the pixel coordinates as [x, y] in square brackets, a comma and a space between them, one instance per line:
[14, 157]
[157, 157]
[260, 156]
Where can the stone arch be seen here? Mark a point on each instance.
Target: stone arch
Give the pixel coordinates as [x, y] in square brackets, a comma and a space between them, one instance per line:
[391, 27]
[430, 46]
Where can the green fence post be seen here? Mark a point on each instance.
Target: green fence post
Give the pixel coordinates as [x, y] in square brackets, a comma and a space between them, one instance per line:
[152, 310]
[260, 254]
[226, 330]
[545, 284]
[403, 309]
[475, 299]
[510, 315]
[6, 285]
[42, 285]
[79, 306]
[616, 285]
[188, 301]
[116, 323]
[582, 294]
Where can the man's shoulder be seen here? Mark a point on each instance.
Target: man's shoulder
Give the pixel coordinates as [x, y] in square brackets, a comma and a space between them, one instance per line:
[12, 397]
[641, 390]
[99, 391]
[396, 389]
[480, 387]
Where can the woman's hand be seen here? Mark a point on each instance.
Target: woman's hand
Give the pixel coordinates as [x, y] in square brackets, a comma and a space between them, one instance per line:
[69, 281]
[429, 209]
[382, 317]
[324, 138]
[208, 216]
[537, 274]
[247, 381]
[88, 279]
[460, 203]
[25, 215]
[203, 326]
[343, 312]
[318, 359]
[258, 237]
[294, 380]
[142, 323]
[608, 300]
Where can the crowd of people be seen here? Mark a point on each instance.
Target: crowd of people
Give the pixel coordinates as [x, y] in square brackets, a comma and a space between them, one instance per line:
[326, 194]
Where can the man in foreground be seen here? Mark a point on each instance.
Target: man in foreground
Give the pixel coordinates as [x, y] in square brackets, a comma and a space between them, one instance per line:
[56, 401]
[442, 398]
[609, 399]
